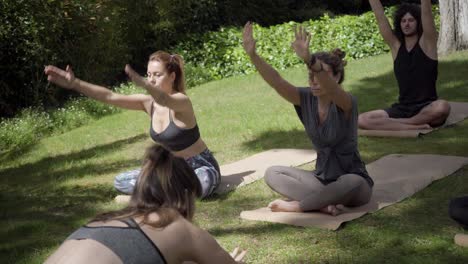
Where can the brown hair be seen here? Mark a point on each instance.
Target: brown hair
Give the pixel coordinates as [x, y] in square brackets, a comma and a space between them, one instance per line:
[335, 59]
[415, 11]
[166, 185]
[174, 64]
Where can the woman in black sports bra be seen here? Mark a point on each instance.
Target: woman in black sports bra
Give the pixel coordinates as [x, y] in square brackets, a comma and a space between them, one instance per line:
[173, 122]
[156, 225]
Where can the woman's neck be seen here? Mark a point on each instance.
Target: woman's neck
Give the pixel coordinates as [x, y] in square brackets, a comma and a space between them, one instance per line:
[323, 101]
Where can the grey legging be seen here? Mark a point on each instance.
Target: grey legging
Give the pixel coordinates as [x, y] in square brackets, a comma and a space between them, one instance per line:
[303, 186]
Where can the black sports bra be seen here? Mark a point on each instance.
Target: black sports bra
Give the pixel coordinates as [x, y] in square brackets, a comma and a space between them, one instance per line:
[130, 243]
[174, 137]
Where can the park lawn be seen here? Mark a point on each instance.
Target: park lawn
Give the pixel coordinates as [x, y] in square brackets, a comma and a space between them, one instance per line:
[51, 188]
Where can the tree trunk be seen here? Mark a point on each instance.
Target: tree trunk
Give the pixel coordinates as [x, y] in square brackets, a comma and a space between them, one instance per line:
[453, 25]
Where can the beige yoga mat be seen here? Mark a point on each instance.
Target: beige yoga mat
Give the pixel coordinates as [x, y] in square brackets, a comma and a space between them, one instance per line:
[458, 113]
[396, 177]
[248, 170]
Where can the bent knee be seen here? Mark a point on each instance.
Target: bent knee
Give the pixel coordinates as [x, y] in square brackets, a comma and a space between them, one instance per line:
[439, 111]
[368, 120]
[440, 108]
[271, 174]
[364, 120]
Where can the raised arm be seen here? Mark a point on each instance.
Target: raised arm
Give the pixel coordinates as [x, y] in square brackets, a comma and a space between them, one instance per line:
[66, 79]
[384, 26]
[270, 75]
[178, 102]
[339, 96]
[316, 70]
[301, 44]
[429, 36]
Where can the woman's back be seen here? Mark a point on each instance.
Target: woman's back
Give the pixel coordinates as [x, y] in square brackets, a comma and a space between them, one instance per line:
[177, 242]
[126, 241]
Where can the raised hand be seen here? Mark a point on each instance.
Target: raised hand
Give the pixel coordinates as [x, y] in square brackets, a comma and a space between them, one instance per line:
[237, 255]
[248, 41]
[301, 43]
[65, 79]
[136, 78]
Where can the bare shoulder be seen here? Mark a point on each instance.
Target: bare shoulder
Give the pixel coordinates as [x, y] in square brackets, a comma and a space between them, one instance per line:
[181, 97]
[172, 240]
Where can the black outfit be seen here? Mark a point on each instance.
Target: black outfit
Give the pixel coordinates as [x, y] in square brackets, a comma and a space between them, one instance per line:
[416, 74]
[458, 210]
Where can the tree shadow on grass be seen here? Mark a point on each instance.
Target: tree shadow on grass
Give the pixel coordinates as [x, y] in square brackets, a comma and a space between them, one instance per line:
[44, 171]
[418, 229]
[31, 222]
[38, 211]
[295, 138]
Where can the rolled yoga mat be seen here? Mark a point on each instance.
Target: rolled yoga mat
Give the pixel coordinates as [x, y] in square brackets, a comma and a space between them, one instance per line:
[251, 169]
[458, 113]
[396, 177]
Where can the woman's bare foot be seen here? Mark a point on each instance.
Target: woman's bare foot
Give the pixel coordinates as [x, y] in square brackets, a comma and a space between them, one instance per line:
[461, 240]
[331, 209]
[410, 124]
[284, 206]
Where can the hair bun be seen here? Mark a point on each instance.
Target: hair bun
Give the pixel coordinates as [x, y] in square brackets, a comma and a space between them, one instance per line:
[339, 53]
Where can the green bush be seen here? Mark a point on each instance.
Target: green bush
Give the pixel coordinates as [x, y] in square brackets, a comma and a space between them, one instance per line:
[25, 129]
[32, 124]
[217, 55]
[86, 34]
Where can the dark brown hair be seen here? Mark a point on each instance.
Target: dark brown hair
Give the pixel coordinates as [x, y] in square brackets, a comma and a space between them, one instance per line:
[166, 185]
[415, 11]
[335, 59]
[174, 64]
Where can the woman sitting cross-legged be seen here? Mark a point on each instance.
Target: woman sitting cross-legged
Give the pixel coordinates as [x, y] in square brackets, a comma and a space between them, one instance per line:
[173, 123]
[154, 228]
[329, 115]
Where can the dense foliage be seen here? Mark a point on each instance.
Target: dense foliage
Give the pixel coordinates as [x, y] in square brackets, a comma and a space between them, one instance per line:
[217, 55]
[98, 37]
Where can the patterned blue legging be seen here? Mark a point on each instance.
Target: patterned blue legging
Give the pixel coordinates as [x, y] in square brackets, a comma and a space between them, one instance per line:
[204, 164]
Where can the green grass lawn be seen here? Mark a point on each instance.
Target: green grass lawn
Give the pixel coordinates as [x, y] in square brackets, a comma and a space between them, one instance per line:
[51, 188]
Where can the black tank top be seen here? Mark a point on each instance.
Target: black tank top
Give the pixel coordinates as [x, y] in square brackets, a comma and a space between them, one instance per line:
[416, 74]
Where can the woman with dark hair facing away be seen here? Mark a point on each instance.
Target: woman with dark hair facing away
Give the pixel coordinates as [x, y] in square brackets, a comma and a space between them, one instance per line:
[156, 225]
[173, 122]
[413, 44]
[329, 115]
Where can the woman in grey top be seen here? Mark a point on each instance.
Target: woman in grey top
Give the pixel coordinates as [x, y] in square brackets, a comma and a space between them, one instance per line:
[155, 227]
[329, 115]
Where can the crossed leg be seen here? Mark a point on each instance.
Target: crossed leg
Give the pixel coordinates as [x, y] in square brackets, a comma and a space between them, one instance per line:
[307, 193]
[431, 115]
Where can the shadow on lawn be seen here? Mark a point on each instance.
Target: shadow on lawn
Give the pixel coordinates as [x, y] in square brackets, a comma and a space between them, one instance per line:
[418, 230]
[295, 138]
[31, 222]
[38, 212]
[44, 171]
